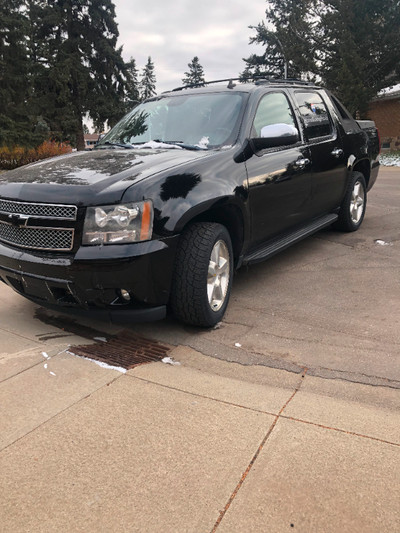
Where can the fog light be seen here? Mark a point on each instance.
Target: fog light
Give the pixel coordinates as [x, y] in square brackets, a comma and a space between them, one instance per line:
[125, 295]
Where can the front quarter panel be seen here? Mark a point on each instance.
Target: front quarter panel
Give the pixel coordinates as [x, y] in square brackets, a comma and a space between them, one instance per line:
[193, 189]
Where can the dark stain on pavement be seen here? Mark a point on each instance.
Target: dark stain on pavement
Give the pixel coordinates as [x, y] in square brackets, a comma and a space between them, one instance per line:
[69, 325]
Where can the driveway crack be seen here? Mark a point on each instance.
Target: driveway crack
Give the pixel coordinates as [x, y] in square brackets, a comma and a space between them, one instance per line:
[255, 457]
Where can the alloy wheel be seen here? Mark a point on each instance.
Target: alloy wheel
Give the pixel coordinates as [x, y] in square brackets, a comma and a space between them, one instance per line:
[357, 202]
[218, 275]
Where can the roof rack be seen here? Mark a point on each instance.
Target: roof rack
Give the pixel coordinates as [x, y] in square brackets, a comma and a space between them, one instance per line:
[288, 81]
[257, 80]
[193, 85]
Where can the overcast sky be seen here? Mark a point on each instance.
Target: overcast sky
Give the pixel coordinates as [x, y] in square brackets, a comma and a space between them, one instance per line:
[172, 33]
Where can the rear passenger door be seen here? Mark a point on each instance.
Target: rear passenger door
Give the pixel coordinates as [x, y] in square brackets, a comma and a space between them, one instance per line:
[328, 162]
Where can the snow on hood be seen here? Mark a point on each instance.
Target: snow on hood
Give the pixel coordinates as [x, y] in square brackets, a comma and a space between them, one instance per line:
[154, 145]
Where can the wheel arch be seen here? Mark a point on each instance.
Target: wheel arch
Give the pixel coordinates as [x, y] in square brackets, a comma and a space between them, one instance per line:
[225, 213]
[364, 167]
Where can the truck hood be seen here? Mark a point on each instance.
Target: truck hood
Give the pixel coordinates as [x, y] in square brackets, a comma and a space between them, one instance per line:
[83, 178]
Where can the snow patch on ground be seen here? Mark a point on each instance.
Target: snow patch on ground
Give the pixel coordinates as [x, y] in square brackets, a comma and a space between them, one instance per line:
[390, 160]
[170, 361]
[101, 364]
[383, 243]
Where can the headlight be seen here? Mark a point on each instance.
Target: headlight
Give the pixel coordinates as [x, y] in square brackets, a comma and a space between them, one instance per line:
[115, 224]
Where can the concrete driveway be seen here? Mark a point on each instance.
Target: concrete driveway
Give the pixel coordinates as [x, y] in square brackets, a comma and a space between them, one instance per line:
[285, 417]
[330, 304]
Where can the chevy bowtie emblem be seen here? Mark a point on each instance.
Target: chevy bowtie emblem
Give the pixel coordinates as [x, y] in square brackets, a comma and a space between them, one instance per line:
[18, 220]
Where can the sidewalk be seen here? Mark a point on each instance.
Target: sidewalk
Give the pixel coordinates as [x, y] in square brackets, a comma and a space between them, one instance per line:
[199, 447]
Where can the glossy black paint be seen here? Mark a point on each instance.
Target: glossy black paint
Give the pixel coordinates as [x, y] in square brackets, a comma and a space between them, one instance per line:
[89, 178]
[91, 278]
[256, 194]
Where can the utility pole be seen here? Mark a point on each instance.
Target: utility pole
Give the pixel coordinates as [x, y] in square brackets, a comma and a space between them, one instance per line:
[283, 53]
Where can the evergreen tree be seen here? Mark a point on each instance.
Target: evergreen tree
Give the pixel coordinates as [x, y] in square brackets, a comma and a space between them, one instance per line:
[352, 45]
[79, 70]
[361, 41]
[16, 123]
[132, 95]
[38, 46]
[287, 37]
[148, 81]
[195, 76]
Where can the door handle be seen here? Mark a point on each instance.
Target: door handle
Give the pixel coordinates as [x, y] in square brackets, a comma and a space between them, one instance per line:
[301, 163]
[337, 152]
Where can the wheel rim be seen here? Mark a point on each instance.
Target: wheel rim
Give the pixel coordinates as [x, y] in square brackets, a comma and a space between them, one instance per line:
[218, 275]
[357, 202]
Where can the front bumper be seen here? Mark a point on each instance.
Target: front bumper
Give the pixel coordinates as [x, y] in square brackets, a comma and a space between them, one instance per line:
[89, 281]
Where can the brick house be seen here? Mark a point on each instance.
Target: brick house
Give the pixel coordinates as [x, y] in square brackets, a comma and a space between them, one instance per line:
[385, 111]
[90, 140]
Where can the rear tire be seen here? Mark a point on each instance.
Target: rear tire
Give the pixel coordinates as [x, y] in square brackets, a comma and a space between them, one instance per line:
[203, 275]
[353, 207]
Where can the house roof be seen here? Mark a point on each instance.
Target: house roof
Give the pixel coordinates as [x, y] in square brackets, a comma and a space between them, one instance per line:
[390, 93]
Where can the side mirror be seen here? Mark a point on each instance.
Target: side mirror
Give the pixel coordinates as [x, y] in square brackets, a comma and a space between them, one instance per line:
[275, 135]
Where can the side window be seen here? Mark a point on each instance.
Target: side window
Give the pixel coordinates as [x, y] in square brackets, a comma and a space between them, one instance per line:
[315, 115]
[273, 108]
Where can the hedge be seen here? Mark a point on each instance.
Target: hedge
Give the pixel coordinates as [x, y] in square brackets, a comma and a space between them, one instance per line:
[18, 155]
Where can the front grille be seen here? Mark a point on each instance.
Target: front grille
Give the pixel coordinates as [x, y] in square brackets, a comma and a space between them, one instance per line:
[20, 228]
[56, 239]
[54, 211]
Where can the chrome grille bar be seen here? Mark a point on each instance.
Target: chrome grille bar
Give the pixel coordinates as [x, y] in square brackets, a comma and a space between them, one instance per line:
[37, 210]
[37, 238]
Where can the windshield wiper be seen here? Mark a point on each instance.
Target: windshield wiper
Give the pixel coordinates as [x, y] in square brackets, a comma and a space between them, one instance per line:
[113, 144]
[182, 144]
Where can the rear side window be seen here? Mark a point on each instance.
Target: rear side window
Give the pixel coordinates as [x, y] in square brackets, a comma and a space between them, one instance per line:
[315, 114]
[273, 108]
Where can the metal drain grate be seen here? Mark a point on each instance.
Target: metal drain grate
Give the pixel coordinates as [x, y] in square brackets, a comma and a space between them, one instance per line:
[126, 350]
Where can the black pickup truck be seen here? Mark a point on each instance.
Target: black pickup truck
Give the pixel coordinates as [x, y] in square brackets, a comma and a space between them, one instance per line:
[187, 187]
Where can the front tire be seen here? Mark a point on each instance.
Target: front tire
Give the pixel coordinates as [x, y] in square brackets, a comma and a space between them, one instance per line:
[203, 275]
[353, 207]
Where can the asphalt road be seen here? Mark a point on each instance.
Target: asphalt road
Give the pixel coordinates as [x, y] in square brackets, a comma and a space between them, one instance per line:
[330, 304]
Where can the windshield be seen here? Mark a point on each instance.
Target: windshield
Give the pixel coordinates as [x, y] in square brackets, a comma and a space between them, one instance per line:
[197, 121]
